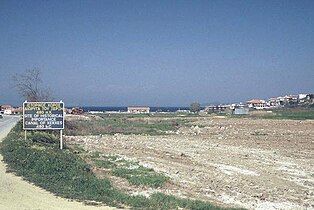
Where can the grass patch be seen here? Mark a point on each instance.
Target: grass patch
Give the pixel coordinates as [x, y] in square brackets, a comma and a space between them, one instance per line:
[105, 164]
[151, 115]
[79, 149]
[134, 173]
[66, 174]
[281, 114]
[125, 124]
[141, 176]
[292, 114]
[94, 155]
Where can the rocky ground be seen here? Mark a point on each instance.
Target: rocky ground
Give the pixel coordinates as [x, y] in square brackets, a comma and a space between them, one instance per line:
[250, 163]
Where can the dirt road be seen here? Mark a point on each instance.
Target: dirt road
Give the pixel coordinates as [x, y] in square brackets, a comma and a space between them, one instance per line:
[256, 164]
[18, 194]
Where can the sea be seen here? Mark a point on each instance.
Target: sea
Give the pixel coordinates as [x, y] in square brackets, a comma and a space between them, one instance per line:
[124, 109]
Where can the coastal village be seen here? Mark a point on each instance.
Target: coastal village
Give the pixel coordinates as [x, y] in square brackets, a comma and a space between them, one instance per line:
[297, 100]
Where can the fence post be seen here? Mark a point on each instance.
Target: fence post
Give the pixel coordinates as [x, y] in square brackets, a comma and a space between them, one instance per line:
[61, 143]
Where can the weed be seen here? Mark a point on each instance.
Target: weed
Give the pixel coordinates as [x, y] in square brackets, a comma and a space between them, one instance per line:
[141, 176]
[79, 149]
[105, 164]
[94, 155]
[259, 133]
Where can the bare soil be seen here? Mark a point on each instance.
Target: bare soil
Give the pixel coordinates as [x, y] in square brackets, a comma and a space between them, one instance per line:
[250, 163]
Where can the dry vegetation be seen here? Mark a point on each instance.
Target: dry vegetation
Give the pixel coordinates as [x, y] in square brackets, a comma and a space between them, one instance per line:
[247, 162]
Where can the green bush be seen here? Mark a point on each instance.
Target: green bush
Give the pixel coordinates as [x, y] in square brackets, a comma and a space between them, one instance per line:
[43, 137]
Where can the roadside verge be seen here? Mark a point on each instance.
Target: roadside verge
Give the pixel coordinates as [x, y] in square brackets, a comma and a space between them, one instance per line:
[15, 193]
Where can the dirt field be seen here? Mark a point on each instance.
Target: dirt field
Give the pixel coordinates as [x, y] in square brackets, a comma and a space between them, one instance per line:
[256, 164]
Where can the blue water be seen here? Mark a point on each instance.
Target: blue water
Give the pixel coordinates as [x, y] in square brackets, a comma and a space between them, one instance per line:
[124, 108]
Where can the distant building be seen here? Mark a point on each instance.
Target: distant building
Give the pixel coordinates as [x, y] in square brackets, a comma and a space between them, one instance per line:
[241, 111]
[216, 109]
[306, 98]
[77, 110]
[6, 109]
[302, 97]
[17, 110]
[274, 103]
[183, 111]
[288, 100]
[292, 99]
[257, 104]
[138, 109]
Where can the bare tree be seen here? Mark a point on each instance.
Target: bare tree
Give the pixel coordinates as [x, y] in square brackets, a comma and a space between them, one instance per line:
[195, 107]
[29, 86]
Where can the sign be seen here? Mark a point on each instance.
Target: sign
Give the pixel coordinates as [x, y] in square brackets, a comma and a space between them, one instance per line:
[43, 115]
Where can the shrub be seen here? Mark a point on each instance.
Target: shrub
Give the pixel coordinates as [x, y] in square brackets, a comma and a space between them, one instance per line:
[43, 137]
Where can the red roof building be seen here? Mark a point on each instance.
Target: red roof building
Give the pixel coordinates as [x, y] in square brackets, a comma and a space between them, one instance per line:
[257, 104]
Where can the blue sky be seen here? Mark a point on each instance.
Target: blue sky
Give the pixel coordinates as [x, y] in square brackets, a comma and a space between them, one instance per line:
[158, 53]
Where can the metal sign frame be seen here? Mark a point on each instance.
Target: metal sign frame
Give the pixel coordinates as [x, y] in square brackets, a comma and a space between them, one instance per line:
[43, 103]
[25, 129]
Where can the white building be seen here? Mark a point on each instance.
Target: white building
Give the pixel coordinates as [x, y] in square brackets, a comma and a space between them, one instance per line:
[138, 109]
[7, 111]
[257, 104]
